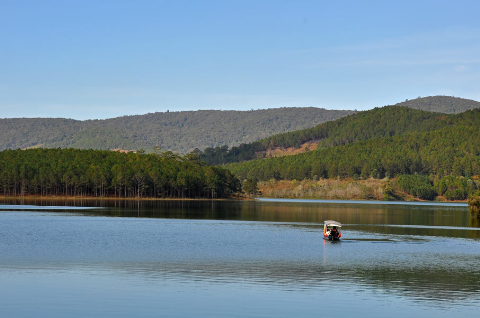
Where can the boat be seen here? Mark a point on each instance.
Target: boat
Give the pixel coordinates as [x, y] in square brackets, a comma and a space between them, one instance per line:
[331, 230]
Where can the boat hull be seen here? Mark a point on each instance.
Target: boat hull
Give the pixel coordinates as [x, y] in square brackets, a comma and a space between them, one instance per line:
[331, 238]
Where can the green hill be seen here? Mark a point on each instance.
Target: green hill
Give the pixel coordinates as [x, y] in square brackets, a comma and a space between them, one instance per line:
[427, 154]
[176, 131]
[453, 149]
[376, 123]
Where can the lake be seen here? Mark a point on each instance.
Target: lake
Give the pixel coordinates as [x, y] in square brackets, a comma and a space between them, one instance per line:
[236, 259]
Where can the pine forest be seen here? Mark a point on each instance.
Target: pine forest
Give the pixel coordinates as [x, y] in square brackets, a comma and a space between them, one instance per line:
[72, 172]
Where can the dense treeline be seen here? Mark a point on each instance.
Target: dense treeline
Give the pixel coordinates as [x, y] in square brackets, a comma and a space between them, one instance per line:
[379, 122]
[453, 150]
[176, 131]
[417, 185]
[73, 172]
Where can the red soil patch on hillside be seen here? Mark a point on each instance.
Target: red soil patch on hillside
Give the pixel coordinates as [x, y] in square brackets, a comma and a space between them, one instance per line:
[281, 151]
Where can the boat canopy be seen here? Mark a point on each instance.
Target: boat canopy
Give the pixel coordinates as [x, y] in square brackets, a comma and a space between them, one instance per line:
[332, 223]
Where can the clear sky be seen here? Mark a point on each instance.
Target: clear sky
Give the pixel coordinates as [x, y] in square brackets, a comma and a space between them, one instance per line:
[101, 59]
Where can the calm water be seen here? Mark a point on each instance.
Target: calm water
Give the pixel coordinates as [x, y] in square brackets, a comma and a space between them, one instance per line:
[236, 259]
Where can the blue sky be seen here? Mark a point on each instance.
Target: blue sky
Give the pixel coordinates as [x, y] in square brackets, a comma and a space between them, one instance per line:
[102, 59]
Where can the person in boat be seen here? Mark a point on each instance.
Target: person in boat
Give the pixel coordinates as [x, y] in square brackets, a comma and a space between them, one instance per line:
[334, 232]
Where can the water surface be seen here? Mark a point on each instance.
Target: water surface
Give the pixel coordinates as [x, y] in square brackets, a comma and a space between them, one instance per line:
[236, 259]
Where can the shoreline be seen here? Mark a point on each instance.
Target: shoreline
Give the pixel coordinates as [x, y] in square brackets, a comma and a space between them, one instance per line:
[259, 198]
[72, 198]
[366, 202]
[410, 199]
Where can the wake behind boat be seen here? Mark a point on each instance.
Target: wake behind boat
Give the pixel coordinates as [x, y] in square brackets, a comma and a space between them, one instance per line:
[331, 230]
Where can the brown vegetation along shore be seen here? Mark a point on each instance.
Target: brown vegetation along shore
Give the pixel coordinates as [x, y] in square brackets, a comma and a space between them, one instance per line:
[332, 189]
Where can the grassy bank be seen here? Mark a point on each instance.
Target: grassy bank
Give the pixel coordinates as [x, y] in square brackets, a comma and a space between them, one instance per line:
[332, 189]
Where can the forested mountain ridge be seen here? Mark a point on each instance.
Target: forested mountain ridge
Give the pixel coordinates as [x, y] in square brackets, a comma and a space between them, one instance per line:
[176, 131]
[376, 123]
[184, 131]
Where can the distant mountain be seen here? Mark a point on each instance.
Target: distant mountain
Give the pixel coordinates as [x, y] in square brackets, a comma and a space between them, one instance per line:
[441, 104]
[176, 131]
[184, 131]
